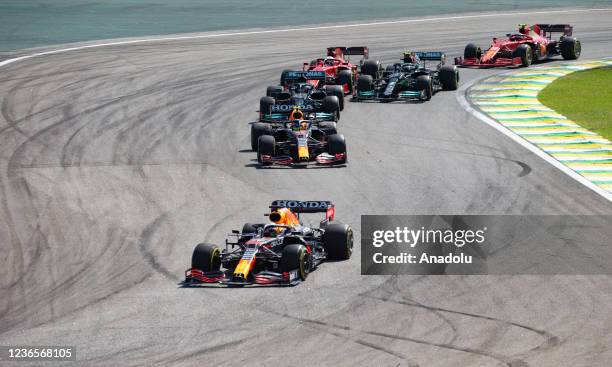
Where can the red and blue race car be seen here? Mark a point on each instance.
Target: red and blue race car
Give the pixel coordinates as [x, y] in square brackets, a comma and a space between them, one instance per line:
[531, 44]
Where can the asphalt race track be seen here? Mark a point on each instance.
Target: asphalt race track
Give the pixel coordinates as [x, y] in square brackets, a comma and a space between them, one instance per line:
[117, 160]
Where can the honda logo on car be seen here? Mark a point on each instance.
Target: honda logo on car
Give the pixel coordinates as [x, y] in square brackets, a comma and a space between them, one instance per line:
[301, 204]
[290, 107]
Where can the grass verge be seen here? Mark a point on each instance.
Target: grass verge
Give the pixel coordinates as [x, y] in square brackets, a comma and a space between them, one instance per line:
[584, 97]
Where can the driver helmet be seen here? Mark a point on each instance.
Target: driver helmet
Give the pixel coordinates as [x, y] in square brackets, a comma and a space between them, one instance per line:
[524, 29]
[298, 125]
[302, 87]
[296, 115]
[411, 58]
[329, 60]
[273, 231]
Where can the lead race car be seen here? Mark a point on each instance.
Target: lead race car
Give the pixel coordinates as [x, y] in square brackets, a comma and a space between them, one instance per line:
[282, 252]
[298, 142]
[531, 44]
[409, 80]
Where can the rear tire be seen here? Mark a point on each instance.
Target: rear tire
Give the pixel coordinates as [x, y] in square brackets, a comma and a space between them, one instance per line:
[570, 48]
[332, 105]
[272, 90]
[338, 241]
[295, 257]
[338, 91]
[345, 77]
[472, 51]
[265, 105]
[424, 83]
[449, 77]
[336, 144]
[259, 129]
[525, 53]
[371, 68]
[206, 257]
[266, 145]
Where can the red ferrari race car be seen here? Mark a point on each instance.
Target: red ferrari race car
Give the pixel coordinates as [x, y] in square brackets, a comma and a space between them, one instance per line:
[338, 67]
[281, 252]
[531, 44]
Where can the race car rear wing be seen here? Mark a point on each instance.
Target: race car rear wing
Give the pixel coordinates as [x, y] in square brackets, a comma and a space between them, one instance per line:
[349, 51]
[431, 55]
[290, 76]
[307, 207]
[547, 29]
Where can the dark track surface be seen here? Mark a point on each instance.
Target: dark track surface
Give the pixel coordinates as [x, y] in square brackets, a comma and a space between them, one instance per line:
[116, 161]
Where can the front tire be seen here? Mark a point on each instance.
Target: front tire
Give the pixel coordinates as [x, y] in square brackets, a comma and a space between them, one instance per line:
[338, 241]
[265, 105]
[336, 144]
[371, 68]
[365, 83]
[424, 84]
[266, 145]
[472, 51]
[525, 53]
[295, 257]
[338, 91]
[259, 129]
[206, 257]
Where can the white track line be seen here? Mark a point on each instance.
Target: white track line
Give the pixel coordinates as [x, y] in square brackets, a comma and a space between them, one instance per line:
[371, 24]
[462, 99]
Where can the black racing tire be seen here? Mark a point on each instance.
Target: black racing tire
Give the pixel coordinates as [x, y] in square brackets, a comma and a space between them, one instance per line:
[338, 91]
[371, 68]
[266, 145]
[295, 257]
[472, 51]
[525, 52]
[365, 83]
[206, 257]
[336, 144]
[338, 241]
[328, 127]
[265, 103]
[259, 129]
[570, 48]
[449, 77]
[424, 83]
[272, 90]
[331, 104]
[343, 77]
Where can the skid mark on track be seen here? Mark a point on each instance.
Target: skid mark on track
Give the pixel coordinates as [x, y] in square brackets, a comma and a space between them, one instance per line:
[498, 357]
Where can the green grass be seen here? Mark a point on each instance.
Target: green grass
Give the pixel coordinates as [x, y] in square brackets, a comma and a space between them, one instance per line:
[584, 97]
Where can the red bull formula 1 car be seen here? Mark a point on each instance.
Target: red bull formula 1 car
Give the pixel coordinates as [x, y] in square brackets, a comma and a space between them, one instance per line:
[297, 142]
[531, 44]
[282, 252]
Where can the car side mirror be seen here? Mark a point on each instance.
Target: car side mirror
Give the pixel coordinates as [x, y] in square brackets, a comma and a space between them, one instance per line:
[235, 231]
